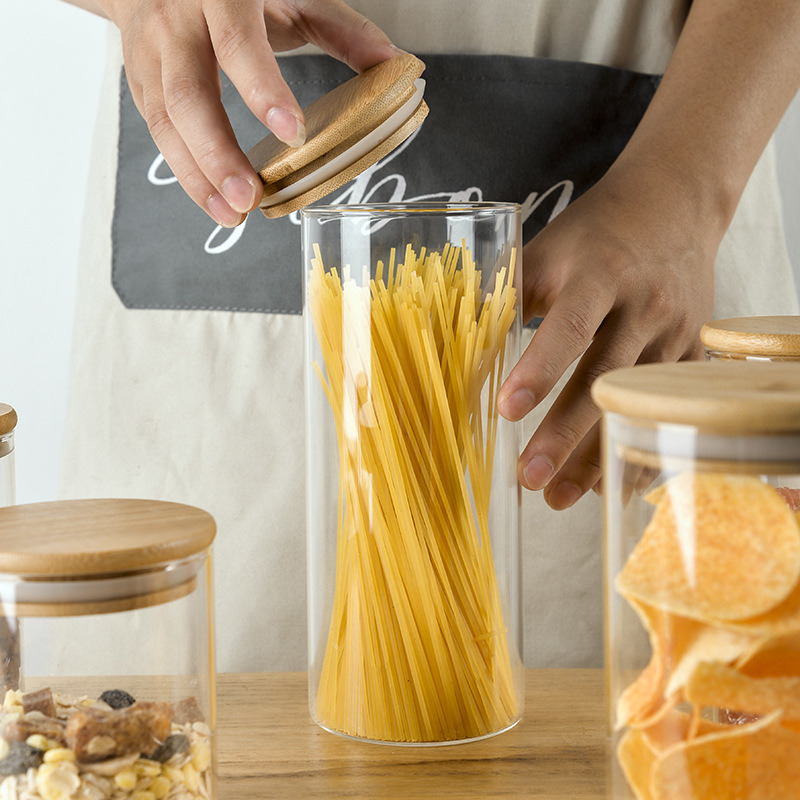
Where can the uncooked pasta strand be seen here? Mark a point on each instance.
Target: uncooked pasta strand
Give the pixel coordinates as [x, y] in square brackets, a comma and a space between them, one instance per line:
[417, 647]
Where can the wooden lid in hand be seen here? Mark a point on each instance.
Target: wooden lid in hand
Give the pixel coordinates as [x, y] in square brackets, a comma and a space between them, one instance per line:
[347, 130]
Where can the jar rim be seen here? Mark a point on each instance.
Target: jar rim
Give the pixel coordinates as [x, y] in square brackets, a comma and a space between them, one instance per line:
[434, 208]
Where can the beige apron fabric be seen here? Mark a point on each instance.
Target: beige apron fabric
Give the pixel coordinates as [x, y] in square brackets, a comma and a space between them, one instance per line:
[206, 407]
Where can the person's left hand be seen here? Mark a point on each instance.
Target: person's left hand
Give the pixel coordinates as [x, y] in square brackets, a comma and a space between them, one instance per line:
[623, 275]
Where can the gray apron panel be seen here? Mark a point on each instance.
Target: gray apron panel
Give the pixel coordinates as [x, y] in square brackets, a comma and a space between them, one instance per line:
[501, 128]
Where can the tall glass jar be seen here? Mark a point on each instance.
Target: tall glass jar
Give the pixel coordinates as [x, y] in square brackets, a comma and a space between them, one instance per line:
[752, 339]
[8, 422]
[412, 317]
[701, 490]
[114, 694]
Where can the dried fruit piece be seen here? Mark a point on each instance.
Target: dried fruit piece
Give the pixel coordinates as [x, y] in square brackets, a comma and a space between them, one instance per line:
[95, 734]
[187, 710]
[704, 529]
[18, 729]
[117, 698]
[174, 743]
[21, 757]
[39, 701]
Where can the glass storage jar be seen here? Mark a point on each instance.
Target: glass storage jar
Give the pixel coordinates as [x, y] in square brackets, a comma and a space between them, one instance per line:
[752, 338]
[114, 693]
[701, 491]
[8, 422]
[412, 317]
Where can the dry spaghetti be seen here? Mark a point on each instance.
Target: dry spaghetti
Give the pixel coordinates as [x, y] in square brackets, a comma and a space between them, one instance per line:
[417, 648]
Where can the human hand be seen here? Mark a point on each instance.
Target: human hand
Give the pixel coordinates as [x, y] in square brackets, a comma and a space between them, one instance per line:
[624, 275]
[173, 52]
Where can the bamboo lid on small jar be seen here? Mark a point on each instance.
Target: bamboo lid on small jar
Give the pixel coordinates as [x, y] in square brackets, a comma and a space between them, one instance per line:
[8, 422]
[739, 397]
[347, 130]
[74, 557]
[8, 419]
[769, 337]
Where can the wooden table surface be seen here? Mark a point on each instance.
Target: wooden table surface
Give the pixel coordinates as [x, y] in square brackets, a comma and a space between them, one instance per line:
[268, 747]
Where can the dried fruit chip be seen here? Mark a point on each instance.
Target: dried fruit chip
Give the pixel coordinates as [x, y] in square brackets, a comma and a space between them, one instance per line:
[757, 761]
[718, 685]
[644, 696]
[782, 620]
[705, 530]
[692, 642]
[637, 759]
[772, 658]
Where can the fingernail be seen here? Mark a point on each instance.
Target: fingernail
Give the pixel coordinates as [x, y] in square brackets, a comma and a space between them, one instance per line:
[564, 495]
[537, 472]
[219, 209]
[517, 404]
[239, 192]
[286, 126]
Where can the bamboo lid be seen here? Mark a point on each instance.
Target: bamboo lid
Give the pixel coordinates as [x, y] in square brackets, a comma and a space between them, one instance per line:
[732, 397]
[347, 130]
[757, 336]
[8, 419]
[96, 556]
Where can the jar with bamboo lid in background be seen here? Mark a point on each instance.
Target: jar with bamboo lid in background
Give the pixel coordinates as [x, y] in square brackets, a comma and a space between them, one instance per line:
[8, 423]
[114, 692]
[701, 486]
[774, 338]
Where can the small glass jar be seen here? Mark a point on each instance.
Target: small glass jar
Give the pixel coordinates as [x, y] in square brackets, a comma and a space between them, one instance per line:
[752, 338]
[8, 422]
[701, 491]
[412, 317]
[114, 690]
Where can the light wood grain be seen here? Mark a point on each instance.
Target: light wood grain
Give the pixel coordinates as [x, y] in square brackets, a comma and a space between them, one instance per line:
[99, 536]
[777, 337]
[727, 397]
[269, 747]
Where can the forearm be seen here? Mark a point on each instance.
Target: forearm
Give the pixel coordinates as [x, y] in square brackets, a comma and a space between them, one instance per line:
[88, 5]
[732, 76]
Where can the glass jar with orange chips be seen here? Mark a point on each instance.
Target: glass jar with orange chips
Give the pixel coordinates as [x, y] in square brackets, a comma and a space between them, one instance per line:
[752, 339]
[701, 487]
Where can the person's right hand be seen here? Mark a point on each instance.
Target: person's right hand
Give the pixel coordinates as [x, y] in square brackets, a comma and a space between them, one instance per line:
[173, 51]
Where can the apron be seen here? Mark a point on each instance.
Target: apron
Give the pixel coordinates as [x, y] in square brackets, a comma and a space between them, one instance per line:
[187, 378]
